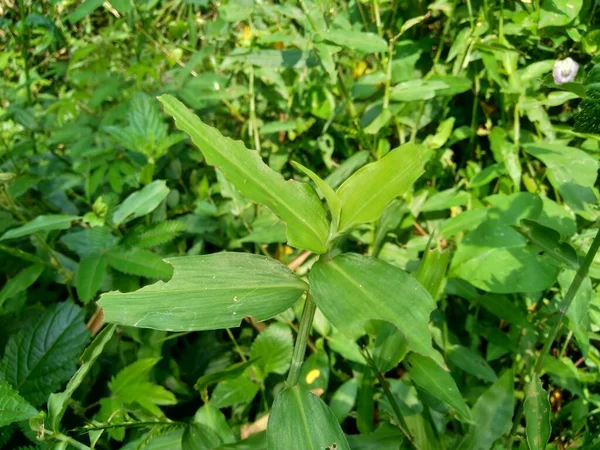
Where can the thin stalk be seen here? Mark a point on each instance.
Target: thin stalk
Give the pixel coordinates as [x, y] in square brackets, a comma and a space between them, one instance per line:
[388, 76]
[238, 349]
[377, 18]
[308, 314]
[563, 308]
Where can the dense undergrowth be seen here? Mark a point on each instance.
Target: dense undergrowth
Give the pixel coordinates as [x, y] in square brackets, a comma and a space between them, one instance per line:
[442, 176]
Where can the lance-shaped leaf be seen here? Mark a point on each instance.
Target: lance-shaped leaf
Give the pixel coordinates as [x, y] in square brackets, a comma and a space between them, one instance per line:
[537, 415]
[39, 224]
[141, 202]
[300, 420]
[365, 194]
[296, 203]
[207, 293]
[353, 289]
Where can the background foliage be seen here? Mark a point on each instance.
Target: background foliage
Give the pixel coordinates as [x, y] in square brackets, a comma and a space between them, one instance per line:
[97, 187]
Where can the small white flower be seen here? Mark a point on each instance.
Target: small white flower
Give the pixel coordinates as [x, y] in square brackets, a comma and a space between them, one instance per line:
[564, 71]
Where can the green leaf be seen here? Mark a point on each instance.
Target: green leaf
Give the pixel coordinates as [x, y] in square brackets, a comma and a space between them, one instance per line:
[208, 292]
[347, 168]
[471, 362]
[300, 420]
[537, 415]
[492, 414]
[571, 171]
[154, 235]
[558, 13]
[57, 403]
[142, 263]
[432, 270]
[90, 276]
[273, 350]
[20, 282]
[390, 346]
[215, 420]
[240, 390]
[333, 201]
[84, 9]
[141, 202]
[294, 202]
[40, 223]
[365, 194]
[435, 86]
[357, 40]
[229, 373]
[372, 289]
[549, 240]
[199, 437]
[578, 312]
[13, 407]
[132, 385]
[40, 357]
[433, 379]
[343, 399]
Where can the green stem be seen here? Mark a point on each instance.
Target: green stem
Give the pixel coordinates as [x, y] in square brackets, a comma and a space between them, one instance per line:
[563, 308]
[308, 315]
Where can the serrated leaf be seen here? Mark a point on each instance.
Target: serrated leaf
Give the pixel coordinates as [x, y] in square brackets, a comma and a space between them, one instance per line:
[208, 292]
[273, 349]
[300, 420]
[142, 263]
[229, 373]
[215, 420]
[43, 355]
[89, 240]
[13, 407]
[435, 380]
[294, 202]
[372, 289]
[240, 390]
[57, 403]
[141, 202]
[537, 415]
[40, 223]
[90, 276]
[199, 437]
[367, 192]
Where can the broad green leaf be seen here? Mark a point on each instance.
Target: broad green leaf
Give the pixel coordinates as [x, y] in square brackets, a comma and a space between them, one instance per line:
[273, 350]
[215, 420]
[390, 345]
[300, 420]
[20, 282]
[208, 292]
[558, 13]
[141, 202]
[199, 437]
[89, 241]
[496, 258]
[386, 437]
[372, 289]
[294, 202]
[40, 223]
[357, 40]
[471, 362]
[549, 241]
[343, 399]
[240, 390]
[13, 407]
[333, 201]
[90, 276]
[57, 403]
[571, 171]
[537, 415]
[492, 415]
[436, 381]
[365, 405]
[427, 89]
[40, 357]
[142, 263]
[366, 193]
